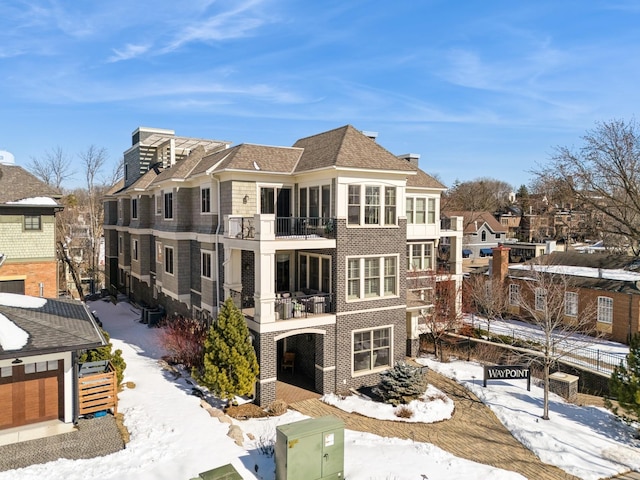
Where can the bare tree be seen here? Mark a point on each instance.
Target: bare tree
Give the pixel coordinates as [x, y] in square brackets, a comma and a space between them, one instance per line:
[480, 195]
[604, 174]
[94, 160]
[486, 296]
[53, 168]
[440, 294]
[543, 301]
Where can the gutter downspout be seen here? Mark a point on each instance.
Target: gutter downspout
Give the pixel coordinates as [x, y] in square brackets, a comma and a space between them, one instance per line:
[217, 262]
[76, 393]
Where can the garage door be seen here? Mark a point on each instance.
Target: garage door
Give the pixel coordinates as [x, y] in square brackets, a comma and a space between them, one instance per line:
[31, 393]
[12, 286]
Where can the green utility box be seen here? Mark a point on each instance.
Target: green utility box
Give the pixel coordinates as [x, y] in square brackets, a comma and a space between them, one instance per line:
[310, 450]
[226, 472]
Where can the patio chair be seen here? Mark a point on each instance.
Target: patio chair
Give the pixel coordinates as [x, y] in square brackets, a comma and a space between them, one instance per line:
[288, 361]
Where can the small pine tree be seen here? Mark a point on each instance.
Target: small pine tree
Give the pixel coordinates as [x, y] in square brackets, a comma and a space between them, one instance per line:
[624, 384]
[230, 366]
[401, 384]
[104, 353]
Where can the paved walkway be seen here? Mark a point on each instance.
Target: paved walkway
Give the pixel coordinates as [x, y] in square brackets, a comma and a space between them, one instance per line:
[473, 432]
[93, 438]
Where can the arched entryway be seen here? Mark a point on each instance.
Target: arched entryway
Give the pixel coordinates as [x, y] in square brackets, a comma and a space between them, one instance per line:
[297, 370]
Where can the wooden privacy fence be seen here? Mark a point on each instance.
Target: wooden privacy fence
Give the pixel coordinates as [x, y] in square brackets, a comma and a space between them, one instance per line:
[97, 387]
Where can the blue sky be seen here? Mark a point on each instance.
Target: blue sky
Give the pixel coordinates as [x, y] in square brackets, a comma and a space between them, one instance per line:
[477, 88]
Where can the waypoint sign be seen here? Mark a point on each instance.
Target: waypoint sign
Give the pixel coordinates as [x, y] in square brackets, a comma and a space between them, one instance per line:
[507, 372]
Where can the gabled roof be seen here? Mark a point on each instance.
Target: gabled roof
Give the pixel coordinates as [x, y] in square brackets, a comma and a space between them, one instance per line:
[347, 147]
[182, 168]
[253, 158]
[473, 221]
[17, 184]
[55, 326]
[146, 179]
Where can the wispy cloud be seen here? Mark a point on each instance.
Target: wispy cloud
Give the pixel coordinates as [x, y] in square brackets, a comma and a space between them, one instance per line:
[238, 22]
[128, 52]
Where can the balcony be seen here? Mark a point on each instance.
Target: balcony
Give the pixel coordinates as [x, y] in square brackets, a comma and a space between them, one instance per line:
[303, 306]
[266, 227]
[288, 306]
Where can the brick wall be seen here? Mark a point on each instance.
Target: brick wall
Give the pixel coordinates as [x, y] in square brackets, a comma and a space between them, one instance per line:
[33, 273]
[626, 309]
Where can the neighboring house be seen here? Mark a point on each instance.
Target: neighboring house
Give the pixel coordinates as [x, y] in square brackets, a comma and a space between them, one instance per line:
[38, 358]
[27, 232]
[608, 283]
[520, 252]
[482, 232]
[311, 241]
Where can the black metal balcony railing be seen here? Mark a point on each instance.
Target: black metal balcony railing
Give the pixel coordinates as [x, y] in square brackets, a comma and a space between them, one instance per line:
[305, 227]
[304, 306]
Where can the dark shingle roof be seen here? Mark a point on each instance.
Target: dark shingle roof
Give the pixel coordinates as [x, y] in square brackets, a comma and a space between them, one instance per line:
[17, 184]
[346, 147]
[59, 325]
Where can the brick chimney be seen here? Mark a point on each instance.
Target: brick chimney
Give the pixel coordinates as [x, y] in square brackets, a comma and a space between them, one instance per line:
[500, 262]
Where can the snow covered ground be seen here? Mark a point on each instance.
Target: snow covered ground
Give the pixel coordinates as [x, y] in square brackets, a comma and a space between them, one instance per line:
[172, 437]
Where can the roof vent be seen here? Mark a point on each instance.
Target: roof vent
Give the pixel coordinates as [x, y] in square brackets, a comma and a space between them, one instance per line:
[371, 135]
[7, 158]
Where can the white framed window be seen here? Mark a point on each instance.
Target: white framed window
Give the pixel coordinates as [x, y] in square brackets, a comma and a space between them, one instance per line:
[119, 209]
[205, 264]
[420, 256]
[353, 276]
[267, 200]
[421, 210]
[354, 205]
[372, 277]
[431, 211]
[159, 252]
[540, 299]
[168, 205]
[571, 304]
[379, 206]
[134, 208]
[158, 204]
[315, 272]
[168, 260]
[483, 236]
[409, 209]
[205, 200]
[372, 349]
[514, 294]
[371, 205]
[120, 243]
[134, 249]
[605, 310]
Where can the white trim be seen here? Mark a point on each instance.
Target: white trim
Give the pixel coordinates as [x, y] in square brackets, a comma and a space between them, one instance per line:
[360, 373]
[288, 325]
[299, 332]
[268, 380]
[368, 310]
[325, 369]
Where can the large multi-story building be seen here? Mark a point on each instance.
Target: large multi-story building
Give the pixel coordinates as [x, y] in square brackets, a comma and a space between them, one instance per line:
[313, 242]
[28, 261]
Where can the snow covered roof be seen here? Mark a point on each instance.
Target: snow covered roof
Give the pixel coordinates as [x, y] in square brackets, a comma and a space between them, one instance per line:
[33, 325]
